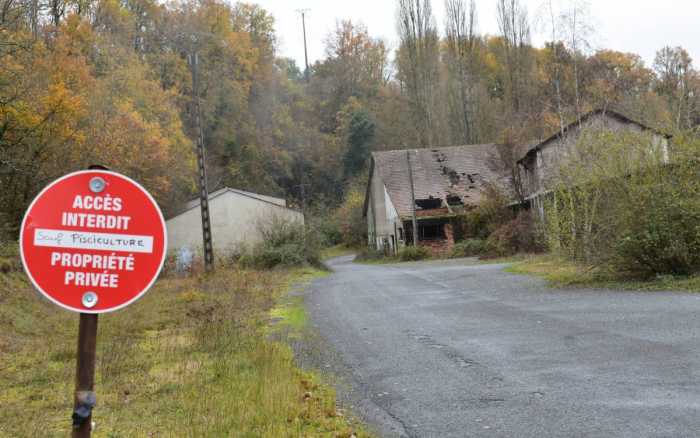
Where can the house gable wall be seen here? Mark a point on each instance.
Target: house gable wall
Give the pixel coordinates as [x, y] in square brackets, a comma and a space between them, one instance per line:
[382, 217]
[235, 221]
[538, 166]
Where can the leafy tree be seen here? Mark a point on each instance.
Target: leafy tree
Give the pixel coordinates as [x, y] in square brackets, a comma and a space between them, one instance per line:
[360, 136]
[107, 81]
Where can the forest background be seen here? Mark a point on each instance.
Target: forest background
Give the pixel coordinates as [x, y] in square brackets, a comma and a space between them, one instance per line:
[108, 82]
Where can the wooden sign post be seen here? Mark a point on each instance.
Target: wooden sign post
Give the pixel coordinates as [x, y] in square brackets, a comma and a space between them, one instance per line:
[92, 242]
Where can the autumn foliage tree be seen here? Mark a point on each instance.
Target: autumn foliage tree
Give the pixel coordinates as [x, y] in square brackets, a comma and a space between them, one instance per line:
[109, 82]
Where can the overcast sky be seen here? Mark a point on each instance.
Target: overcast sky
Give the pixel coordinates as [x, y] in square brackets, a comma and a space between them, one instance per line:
[637, 26]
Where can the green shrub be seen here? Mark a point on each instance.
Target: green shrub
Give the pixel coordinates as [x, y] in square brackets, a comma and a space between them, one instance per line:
[284, 244]
[413, 253]
[469, 248]
[286, 255]
[329, 231]
[659, 233]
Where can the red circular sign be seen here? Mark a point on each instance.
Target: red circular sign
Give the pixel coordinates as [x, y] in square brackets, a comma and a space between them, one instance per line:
[93, 241]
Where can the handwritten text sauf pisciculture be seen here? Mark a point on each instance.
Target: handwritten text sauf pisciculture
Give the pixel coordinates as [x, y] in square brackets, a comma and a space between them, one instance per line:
[97, 268]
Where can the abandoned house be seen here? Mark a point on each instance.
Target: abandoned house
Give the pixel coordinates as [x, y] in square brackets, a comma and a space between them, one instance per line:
[237, 220]
[538, 166]
[437, 184]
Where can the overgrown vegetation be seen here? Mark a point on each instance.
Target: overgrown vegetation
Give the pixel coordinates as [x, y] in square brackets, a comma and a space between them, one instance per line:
[413, 253]
[494, 229]
[626, 204]
[283, 244]
[469, 248]
[191, 358]
[521, 234]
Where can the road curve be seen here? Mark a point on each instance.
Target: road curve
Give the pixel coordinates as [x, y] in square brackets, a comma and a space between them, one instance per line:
[447, 349]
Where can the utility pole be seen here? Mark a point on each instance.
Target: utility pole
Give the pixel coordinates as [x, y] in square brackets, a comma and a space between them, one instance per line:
[193, 60]
[413, 199]
[306, 53]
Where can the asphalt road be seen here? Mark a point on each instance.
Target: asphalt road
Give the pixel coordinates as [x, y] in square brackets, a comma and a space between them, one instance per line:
[451, 350]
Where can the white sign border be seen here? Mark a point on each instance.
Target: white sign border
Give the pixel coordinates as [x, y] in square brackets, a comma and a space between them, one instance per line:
[103, 172]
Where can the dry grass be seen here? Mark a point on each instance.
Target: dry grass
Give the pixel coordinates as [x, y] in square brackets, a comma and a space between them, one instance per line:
[192, 358]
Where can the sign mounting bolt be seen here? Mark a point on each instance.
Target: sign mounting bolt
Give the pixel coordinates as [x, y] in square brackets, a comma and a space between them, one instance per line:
[89, 299]
[97, 184]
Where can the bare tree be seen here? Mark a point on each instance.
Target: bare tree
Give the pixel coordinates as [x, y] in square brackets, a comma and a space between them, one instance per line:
[503, 160]
[461, 43]
[514, 27]
[576, 23]
[418, 62]
[557, 64]
[57, 9]
[676, 80]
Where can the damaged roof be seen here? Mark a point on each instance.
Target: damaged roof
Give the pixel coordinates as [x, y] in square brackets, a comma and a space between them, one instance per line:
[455, 172]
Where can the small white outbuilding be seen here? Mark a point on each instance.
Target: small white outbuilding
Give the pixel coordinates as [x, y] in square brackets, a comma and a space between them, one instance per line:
[237, 217]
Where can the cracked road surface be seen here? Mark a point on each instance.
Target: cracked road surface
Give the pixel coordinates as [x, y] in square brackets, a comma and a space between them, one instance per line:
[445, 349]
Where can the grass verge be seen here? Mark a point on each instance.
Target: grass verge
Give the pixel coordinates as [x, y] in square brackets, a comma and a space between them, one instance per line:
[563, 273]
[193, 357]
[338, 251]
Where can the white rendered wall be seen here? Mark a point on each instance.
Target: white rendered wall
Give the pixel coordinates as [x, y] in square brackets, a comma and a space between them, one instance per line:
[235, 221]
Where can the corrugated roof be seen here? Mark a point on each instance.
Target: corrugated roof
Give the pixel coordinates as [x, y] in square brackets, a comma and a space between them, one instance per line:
[461, 171]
